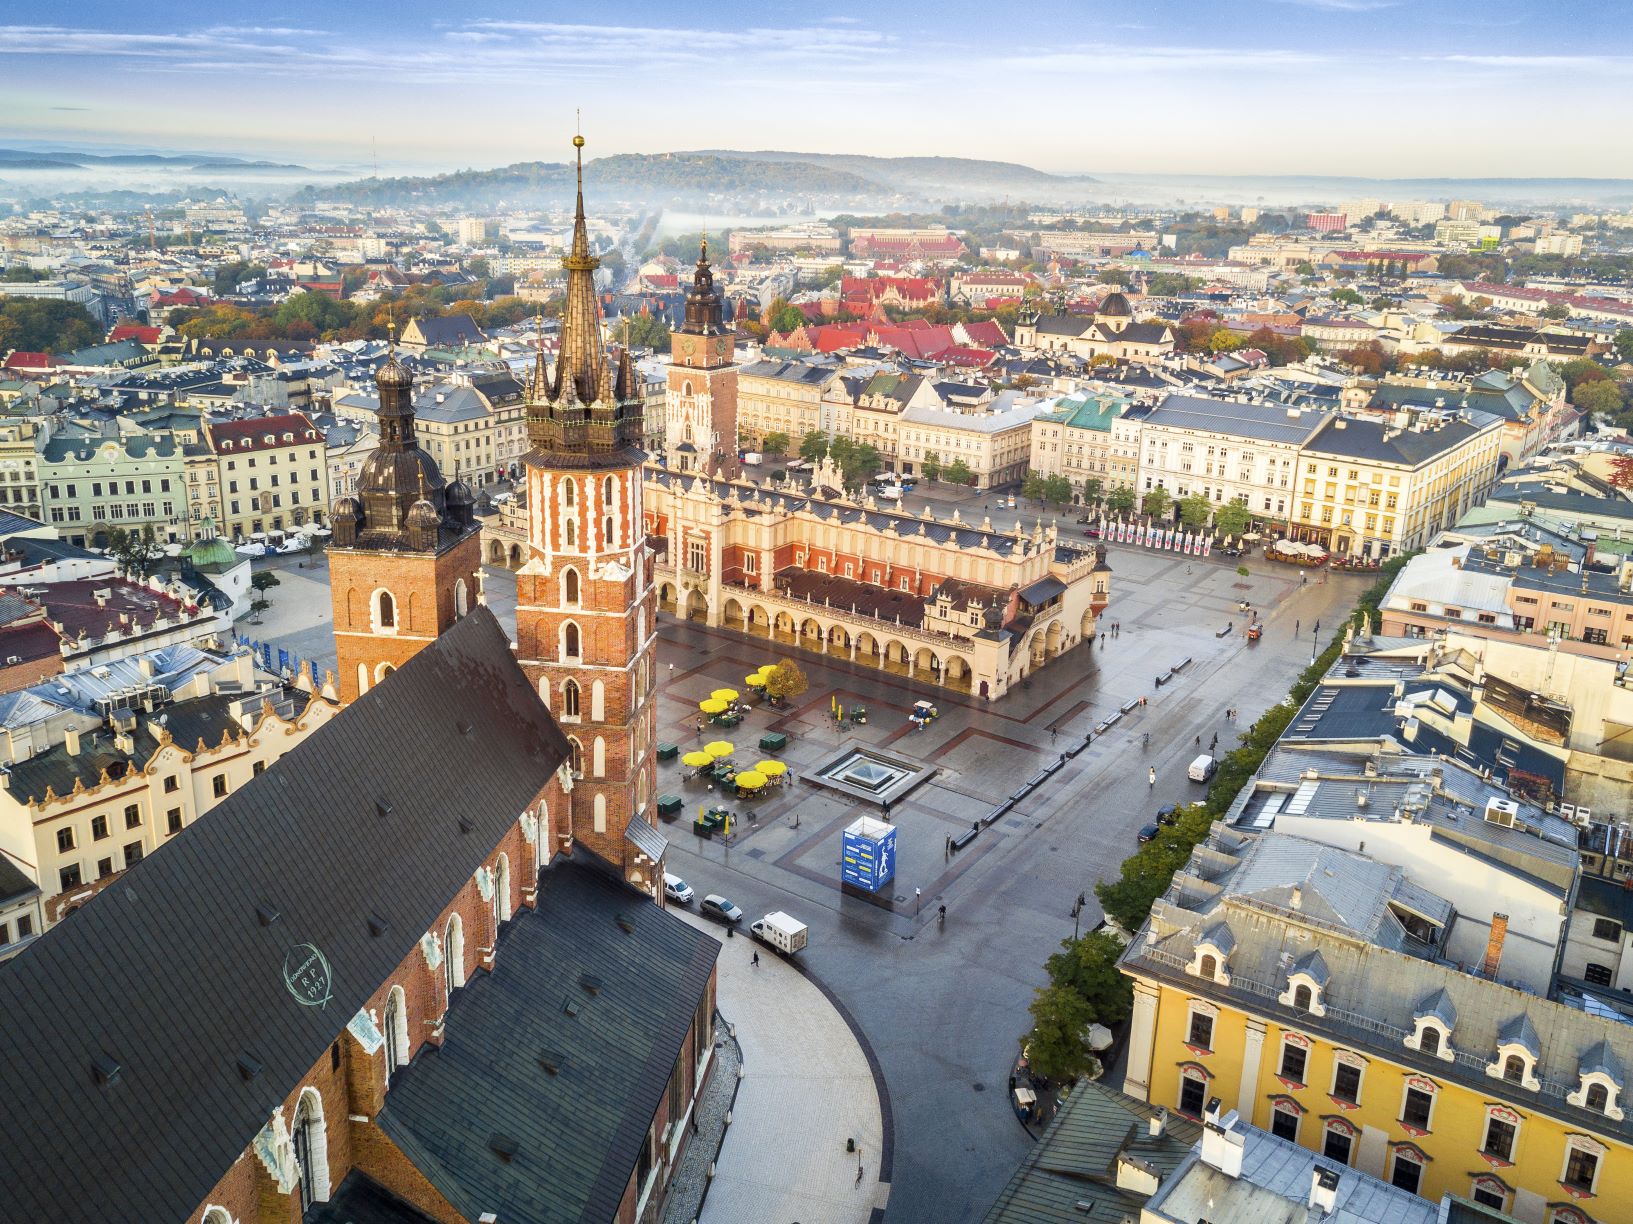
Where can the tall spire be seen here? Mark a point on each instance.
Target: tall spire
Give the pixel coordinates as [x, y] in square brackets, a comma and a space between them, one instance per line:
[580, 357]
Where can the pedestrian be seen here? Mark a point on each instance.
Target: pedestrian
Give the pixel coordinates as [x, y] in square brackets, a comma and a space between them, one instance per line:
[1152, 776]
[1214, 742]
[1199, 739]
[1316, 632]
[941, 914]
[1295, 628]
[1054, 734]
[756, 961]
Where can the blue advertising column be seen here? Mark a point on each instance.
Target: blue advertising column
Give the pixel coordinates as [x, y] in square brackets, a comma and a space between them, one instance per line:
[868, 855]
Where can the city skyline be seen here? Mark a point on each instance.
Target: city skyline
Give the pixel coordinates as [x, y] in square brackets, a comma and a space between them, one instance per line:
[1079, 88]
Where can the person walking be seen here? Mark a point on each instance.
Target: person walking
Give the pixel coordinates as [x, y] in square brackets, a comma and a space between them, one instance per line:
[1199, 739]
[756, 961]
[1151, 776]
[1295, 627]
[1214, 742]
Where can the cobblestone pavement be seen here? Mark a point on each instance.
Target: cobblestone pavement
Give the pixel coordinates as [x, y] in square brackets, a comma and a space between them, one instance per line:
[691, 1180]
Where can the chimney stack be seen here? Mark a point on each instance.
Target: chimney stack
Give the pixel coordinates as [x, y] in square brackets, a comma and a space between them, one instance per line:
[1159, 1120]
[1323, 1190]
[70, 741]
[1494, 945]
[1222, 1139]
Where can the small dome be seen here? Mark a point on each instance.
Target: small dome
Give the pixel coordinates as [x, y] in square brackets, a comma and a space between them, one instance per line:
[1115, 305]
[459, 494]
[394, 374]
[348, 507]
[423, 514]
[211, 550]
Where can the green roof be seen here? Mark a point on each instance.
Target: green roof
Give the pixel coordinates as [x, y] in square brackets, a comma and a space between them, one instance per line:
[1091, 411]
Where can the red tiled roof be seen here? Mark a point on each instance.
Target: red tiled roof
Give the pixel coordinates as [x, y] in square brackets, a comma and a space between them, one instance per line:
[253, 434]
[988, 332]
[662, 280]
[182, 297]
[74, 605]
[970, 358]
[21, 360]
[134, 331]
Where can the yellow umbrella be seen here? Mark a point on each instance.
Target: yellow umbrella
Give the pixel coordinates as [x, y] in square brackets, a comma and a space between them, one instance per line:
[697, 760]
[724, 695]
[757, 680]
[771, 769]
[712, 706]
[719, 748]
[750, 779]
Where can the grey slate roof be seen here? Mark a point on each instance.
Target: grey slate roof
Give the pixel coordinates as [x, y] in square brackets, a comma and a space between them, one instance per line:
[169, 973]
[1076, 1160]
[578, 1133]
[1236, 418]
[1519, 1031]
[1439, 1006]
[362, 1200]
[1376, 440]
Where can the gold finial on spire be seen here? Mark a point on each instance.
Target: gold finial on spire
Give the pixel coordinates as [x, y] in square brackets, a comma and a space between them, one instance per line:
[703, 248]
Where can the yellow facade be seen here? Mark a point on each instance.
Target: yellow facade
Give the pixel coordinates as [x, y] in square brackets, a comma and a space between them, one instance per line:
[1529, 1183]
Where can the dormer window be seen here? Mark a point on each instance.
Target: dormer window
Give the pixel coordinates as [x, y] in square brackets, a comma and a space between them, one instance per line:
[1433, 1020]
[1518, 1049]
[1305, 983]
[1600, 1091]
[1211, 957]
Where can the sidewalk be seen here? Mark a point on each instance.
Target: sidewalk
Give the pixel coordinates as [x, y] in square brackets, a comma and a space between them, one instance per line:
[807, 1088]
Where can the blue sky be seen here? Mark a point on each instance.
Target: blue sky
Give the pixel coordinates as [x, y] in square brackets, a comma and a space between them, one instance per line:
[1389, 88]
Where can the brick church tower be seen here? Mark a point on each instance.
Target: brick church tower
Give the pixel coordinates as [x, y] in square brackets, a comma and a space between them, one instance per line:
[586, 603]
[700, 422]
[405, 560]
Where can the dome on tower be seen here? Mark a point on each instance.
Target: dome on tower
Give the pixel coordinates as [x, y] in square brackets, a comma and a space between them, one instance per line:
[394, 373]
[422, 525]
[1114, 306]
[459, 500]
[346, 520]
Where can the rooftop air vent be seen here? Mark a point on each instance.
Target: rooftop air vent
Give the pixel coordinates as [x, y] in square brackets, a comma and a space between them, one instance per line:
[266, 914]
[105, 1067]
[626, 924]
[466, 824]
[552, 1061]
[592, 985]
[248, 1066]
[377, 925]
[382, 808]
[504, 1147]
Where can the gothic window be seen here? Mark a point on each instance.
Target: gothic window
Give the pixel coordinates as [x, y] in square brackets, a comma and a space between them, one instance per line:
[569, 699]
[598, 758]
[461, 599]
[609, 488]
[501, 889]
[396, 1027]
[569, 532]
[311, 1149]
[569, 587]
[385, 610]
[362, 678]
[569, 493]
[570, 645]
[453, 946]
[575, 757]
[607, 537]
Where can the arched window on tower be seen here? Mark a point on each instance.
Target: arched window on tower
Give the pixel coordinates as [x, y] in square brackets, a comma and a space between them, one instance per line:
[569, 532]
[569, 494]
[569, 588]
[311, 1149]
[575, 757]
[608, 538]
[385, 610]
[461, 599]
[396, 1030]
[609, 488]
[453, 947]
[569, 699]
[571, 648]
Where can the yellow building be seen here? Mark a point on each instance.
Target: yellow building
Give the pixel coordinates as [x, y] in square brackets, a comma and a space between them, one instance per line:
[781, 397]
[271, 473]
[1376, 486]
[1081, 440]
[1308, 988]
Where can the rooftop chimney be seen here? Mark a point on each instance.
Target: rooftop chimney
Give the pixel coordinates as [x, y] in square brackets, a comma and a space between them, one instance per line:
[1297, 900]
[1158, 1123]
[1323, 1190]
[70, 741]
[1222, 1139]
[1494, 945]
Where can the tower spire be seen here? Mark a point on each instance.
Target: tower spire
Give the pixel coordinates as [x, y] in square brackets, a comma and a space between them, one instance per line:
[580, 357]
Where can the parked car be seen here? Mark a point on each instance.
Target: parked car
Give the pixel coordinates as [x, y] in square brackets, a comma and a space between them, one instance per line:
[1231, 551]
[721, 910]
[1147, 833]
[1168, 814]
[1093, 533]
[677, 889]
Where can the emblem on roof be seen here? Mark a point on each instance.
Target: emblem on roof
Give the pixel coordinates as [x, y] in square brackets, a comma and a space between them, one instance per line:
[307, 976]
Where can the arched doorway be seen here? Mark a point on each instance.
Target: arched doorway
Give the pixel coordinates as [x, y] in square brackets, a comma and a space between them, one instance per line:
[732, 615]
[1088, 628]
[496, 552]
[515, 556]
[839, 642]
[811, 632]
[666, 598]
[1051, 643]
[783, 627]
[867, 649]
[697, 606]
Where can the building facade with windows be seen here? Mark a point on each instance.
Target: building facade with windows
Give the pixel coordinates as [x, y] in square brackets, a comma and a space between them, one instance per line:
[91, 486]
[785, 397]
[1080, 439]
[1227, 449]
[1310, 989]
[271, 474]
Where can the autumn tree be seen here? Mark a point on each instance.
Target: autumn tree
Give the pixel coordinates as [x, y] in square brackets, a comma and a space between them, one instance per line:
[784, 680]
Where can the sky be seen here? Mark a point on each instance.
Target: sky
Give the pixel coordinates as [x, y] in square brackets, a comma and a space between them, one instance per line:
[1380, 88]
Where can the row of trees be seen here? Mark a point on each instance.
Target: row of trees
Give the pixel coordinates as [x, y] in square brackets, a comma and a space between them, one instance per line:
[1085, 987]
[37, 325]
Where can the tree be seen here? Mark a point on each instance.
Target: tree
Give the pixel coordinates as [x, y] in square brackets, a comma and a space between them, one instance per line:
[1194, 512]
[958, 472]
[1120, 500]
[1032, 487]
[262, 583]
[1624, 344]
[1621, 472]
[930, 466]
[785, 318]
[1088, 968]
[1157, 502]
[135, 551]
[1093, 486]
[39, 325]
[784, 680]
[1556, 310]
[831, 276]
[1233, 518]
[776, 444]
[1304, 268]
[813, 447]
[1058, 1047]
[1223, 341]
[858, 463]
[647, 330]
[1347, 296]
[1057, 491]
[1598, 397]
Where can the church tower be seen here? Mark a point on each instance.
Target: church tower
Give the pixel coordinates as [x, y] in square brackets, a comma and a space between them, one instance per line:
[405, 560]
[700, 421]
[586, 603]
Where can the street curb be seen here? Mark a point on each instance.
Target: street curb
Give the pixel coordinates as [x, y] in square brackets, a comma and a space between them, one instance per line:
[887, 1121]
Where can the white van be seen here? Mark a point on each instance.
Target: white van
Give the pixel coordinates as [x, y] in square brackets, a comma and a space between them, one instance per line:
[1202, 769]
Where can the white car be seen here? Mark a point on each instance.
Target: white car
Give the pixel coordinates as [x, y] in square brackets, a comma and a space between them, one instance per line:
[251, 549]
[677, 889]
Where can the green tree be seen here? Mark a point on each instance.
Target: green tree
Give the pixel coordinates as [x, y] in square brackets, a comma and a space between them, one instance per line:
[319, 310]
[1194, 512]
[930, 466]
[1223, 341]
[1113, 276]
[784, 318]
[784, 680]
[1032, 487]
[813, 447]
[261, 583]
[958, 472]
[1304, 268]
[831, 276]
[1088, 968]
[1120, 500]
[1556, 310]
[1347, 297]
[1058, 1047]
[229, 276]
[1598, 397]
[1057, 491]
[1624, 344]
[134, 551]
[776, 444]
[646, 330]
[1157, 502]
[1093, 487]
[1233, 518]
[39, 325]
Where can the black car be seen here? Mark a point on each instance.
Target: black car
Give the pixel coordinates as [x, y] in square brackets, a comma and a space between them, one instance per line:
[1168, 814]
[1232, 551]
[1148, 833]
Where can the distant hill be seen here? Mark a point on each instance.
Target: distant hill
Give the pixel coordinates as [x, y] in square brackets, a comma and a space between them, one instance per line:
[660, 176]
[926, 173]
[233, 164]
[53, 159]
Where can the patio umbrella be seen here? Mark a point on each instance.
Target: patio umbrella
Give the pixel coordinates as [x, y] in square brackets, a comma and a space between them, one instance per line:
[724, 695]
[1099, 1037]
[713, 706]
[719, 748]
[757, 680]
[771, 769]
[697, 760]
[750, 779]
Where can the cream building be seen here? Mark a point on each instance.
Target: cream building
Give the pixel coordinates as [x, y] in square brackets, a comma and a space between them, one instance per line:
[1376, 486]
[1224, 450]
[1089, 437]
[270, 473]
[105, 765]
[782, 397]
[1112, 331]
[995, 443]
[473, 424]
